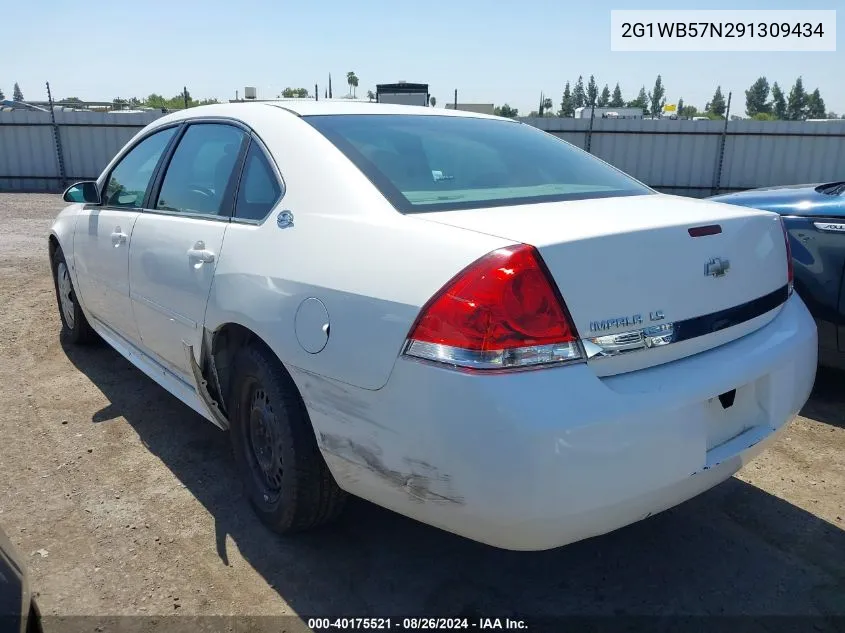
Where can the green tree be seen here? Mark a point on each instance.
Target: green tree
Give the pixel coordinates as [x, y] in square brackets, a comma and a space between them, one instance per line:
[17, 95]
[680, 107]
[778, 102]
[579, 97]
[604, 97]
[592, 91]
[640, 102]
[295, 93]
[506, 111]
[567, 103]
[547, 107]
[432, 101]
[796, 102]
[155, 101]
[616, 100]
[657, 97]
[815, 106]
[371, 96]
[687, 111]
[352, 80]
[717, 105]
[118, 103]
[2, 96]
[757, 98]
[764, 116]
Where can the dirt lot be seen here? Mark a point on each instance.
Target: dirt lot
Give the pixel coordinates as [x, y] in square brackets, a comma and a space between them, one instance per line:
[124, 502]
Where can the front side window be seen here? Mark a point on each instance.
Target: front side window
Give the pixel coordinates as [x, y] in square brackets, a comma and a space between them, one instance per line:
[129, 180]
[440, 163]
[199, 178]
[259, 190]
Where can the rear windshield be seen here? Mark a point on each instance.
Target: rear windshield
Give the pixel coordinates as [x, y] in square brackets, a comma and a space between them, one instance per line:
[442, 163]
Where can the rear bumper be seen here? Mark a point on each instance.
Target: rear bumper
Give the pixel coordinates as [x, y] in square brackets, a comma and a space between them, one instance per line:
[537, 459]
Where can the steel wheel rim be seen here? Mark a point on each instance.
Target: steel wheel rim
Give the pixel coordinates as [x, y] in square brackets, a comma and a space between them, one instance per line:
[264, 444]
[65, 294]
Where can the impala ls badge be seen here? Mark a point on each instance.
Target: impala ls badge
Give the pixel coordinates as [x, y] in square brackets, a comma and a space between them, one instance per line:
[626, 321]
[717, 267]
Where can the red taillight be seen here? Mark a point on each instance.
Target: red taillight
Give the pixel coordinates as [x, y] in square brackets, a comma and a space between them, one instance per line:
[790, 271]
[502, 311]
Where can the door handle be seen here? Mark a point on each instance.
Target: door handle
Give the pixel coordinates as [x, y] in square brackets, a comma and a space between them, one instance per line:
[118, 237]
[200, 254]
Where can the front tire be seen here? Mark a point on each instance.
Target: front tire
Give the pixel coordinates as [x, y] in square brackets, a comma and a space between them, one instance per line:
[284, 475]
[75, 326]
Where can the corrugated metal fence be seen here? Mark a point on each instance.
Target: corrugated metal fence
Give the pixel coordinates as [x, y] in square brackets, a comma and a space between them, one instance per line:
[694, 158]
[29, 159]
[697, 158]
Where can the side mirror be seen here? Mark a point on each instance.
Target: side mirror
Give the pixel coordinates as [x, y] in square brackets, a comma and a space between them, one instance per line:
[85, 191]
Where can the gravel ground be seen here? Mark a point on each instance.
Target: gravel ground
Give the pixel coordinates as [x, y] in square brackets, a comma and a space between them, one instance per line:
[124, 502]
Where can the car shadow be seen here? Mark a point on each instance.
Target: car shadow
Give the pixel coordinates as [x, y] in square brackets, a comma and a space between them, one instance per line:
[827, 402]
[733, 550]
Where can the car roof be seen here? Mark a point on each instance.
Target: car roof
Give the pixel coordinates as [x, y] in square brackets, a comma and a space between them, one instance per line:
[311, 107]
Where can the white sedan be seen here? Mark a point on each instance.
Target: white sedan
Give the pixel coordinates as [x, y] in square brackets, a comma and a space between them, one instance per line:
[455, 316]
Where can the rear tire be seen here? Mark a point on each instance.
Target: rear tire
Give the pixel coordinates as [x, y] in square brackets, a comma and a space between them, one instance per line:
[75, 327]
[284, 475]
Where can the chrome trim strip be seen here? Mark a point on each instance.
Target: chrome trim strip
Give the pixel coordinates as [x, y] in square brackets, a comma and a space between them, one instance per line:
[831, 227]
[667, 333]
[630, 341]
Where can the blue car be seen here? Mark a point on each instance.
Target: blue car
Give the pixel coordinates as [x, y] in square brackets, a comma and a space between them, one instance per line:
[815, 218]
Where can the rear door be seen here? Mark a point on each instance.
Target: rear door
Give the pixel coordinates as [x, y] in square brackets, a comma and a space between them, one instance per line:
[177, 242]
[104, 232]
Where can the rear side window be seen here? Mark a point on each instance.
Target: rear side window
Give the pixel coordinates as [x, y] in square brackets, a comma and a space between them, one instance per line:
[129, 180]
[259, 189]
[199, 178]
[439, 163]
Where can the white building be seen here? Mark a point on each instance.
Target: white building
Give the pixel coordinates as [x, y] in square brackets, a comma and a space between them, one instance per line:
[609, 113]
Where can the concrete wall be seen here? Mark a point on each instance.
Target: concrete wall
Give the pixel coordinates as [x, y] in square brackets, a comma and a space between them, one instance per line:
[676, 156]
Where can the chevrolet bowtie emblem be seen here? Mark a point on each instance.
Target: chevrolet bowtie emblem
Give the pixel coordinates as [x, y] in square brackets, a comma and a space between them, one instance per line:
[717, 267]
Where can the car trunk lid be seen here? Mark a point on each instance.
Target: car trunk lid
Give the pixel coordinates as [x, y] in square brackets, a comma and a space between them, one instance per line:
[694, 273]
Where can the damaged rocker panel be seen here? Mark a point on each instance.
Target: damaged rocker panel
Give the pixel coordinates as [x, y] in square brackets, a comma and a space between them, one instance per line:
[218, 417]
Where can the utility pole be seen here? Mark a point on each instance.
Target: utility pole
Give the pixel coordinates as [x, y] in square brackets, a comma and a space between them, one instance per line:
[720, 155]
[60, 155]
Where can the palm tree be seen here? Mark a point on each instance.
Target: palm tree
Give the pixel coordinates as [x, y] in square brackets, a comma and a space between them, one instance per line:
[352, 80]
[371, 96]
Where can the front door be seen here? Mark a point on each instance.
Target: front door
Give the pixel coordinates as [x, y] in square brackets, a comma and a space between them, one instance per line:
[177, 242]
[104, 233]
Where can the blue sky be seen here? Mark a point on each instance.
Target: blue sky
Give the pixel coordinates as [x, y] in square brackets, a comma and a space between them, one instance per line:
[489, 51]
